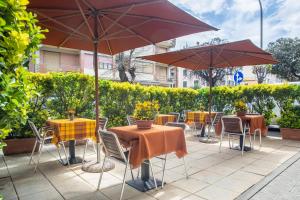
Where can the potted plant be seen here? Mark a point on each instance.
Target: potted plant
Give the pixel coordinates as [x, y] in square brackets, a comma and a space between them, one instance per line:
[144, 113]
[289, 122]
[240, 108]
[21, 139]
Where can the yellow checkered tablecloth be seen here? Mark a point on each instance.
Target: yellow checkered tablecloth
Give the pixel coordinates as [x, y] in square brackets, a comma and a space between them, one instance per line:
[79, 128]
[162, 119]
[198, 116]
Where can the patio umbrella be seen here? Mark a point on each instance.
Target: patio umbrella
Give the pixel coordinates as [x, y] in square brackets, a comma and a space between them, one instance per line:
[111, 27]
[234, 54]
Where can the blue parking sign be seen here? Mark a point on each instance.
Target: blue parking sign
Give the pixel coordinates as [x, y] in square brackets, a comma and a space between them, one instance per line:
[238, 77]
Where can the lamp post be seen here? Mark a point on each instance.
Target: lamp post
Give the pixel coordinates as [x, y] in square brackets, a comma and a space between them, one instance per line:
[261, 24]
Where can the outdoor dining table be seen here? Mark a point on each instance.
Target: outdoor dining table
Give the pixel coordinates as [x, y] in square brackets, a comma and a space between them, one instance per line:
[162, 119]
[253, 122]
[146, 144]
[199, 117]
[72, 130]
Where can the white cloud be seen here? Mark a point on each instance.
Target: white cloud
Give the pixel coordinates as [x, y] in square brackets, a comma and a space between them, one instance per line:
[241, 20]
[202, 6]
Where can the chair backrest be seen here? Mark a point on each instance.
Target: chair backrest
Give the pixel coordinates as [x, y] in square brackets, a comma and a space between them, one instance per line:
[185, 112]
[112, 145]
[35, 130]
[176, 114]
[103, 122]
[232, 124]
[131, 120]
[217, 118]
[174, 124]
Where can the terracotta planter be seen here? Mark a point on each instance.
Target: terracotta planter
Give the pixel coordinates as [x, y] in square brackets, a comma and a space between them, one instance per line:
[290, 133]
[144, 124]
[21, 145]
[241, 114]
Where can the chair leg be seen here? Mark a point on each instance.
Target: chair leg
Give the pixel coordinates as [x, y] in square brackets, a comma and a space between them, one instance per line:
[94, 147]
[164, 169]
[254, 135]
[221, 137]
[84, 152]
[64, 148]
[154, 179]
[132, 176]
[124, 178]
[259, 138]
[100, 178]
[32, 152]
[58, 150]
[229, 141]
[250, 140]
[39, 156]
[185, 169]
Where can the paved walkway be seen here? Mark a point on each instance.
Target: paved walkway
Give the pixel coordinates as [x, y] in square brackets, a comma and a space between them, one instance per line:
[285, 185]
[213, 175]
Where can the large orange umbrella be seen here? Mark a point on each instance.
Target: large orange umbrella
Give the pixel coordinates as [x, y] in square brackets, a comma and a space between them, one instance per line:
[234, 54]
[112, 26]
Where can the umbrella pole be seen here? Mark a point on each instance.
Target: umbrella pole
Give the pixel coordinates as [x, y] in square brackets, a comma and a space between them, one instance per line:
[96, 167]
[97, 96]
[207, 139]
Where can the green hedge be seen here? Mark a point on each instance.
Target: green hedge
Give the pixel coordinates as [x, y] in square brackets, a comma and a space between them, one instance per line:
[57, 92]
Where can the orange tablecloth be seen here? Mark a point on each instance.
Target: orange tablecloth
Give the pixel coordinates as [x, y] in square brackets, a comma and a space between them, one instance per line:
[77, 129]
[162, 119]
[256, 122]
[152, 142]
[198, 116]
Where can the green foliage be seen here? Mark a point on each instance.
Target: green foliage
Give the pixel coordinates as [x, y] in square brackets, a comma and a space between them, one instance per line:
[287, 52]
[290, 117]
[57, 92]
[71, 91]
[19, 39]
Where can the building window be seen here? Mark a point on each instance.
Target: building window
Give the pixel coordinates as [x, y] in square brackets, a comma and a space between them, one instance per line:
[105, 65]
[184, 84]
[196, 84]
[184, 72]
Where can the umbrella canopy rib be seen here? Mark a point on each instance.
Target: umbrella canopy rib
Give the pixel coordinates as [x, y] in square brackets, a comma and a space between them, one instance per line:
[85, 19]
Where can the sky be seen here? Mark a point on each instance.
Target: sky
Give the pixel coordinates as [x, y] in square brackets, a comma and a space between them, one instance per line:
[240, 19]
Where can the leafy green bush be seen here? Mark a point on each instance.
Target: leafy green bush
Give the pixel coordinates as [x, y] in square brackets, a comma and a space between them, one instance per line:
[19, 39]
[290, 117]
[55, 93]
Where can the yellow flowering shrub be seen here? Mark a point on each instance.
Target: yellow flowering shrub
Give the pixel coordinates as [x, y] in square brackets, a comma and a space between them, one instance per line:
[146, 110]
[240, 106]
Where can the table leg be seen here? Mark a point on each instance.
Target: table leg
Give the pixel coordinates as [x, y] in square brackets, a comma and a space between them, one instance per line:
[146, 182]
[72, 155]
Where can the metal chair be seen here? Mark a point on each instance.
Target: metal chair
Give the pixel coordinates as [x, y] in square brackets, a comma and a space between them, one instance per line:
[42, 138]
[165, 158]
[232, 126]
[184, 113]
[176, 114]
[213, 123]
[113, 149]
[102, 124]
[131, 120]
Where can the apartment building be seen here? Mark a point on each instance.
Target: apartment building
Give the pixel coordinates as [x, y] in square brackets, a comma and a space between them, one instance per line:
[53, 59]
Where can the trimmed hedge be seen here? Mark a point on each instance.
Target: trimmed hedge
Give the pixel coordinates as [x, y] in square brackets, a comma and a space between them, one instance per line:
[57, 92]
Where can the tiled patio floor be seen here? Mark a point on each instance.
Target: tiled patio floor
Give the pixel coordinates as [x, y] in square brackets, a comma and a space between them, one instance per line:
[213, 175]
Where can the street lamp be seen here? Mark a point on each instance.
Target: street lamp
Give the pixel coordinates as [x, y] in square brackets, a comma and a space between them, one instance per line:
[261, 24]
